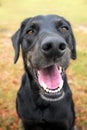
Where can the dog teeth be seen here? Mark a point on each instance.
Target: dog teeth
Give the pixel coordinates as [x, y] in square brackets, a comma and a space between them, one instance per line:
[61, 85]
[53, 91]
[60, 69]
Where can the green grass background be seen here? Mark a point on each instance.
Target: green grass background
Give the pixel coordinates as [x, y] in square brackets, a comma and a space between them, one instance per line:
[12, 12]
[18, 9]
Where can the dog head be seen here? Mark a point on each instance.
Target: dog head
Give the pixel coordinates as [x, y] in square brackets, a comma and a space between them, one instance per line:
[47, 45]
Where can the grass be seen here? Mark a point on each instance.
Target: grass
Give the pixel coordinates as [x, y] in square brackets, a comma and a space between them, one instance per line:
[11, 14]
[17, 10]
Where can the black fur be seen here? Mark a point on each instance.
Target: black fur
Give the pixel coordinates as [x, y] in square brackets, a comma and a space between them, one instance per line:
[35, 112]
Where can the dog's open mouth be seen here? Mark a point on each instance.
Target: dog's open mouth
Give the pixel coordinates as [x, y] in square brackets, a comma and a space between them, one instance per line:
[51, 82]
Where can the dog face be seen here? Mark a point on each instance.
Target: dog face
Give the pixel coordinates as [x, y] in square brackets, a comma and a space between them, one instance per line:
[47, 45]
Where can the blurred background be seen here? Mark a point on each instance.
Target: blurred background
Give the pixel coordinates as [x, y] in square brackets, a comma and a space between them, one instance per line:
[12, 12]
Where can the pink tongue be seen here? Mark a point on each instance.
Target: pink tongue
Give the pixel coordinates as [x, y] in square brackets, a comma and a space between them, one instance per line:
[49, 77]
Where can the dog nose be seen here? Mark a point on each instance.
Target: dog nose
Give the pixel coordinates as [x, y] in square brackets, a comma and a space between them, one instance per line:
[53, 47]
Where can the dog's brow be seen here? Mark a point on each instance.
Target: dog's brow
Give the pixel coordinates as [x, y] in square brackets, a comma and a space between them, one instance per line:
[55, 19]
[35, 22]
[59, 21]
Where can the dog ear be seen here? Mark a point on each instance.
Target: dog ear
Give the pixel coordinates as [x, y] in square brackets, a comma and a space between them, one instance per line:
[16, 40]
[73, 51]
[72, 42]
[16, 44]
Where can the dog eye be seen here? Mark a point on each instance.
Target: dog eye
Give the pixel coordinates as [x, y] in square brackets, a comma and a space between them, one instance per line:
[64, 29]
[30, 32]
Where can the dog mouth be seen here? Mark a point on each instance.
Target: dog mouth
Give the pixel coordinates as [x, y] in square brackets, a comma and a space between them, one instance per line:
[51, 83]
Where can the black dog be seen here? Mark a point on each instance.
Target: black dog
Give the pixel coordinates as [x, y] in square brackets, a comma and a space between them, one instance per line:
[44, 101]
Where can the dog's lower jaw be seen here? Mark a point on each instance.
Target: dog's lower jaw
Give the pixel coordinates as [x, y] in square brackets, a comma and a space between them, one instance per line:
[47, 94]
[53, 99]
